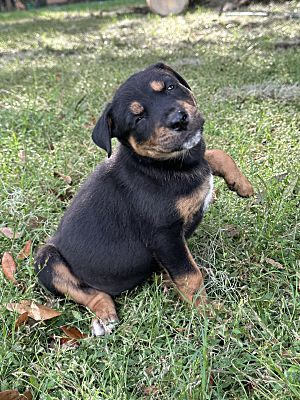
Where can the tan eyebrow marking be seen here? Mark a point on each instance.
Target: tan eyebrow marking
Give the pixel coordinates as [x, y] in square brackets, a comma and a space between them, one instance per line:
[157, 86]
[136, 108]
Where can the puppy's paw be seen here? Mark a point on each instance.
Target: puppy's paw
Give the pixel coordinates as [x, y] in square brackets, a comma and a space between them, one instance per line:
[244, 188]
[241, 186]
[104, 327]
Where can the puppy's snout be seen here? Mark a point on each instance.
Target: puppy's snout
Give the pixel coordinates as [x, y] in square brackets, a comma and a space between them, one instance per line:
[178, 120]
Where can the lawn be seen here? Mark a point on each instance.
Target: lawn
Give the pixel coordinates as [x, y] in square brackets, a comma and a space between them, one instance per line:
[58, 68]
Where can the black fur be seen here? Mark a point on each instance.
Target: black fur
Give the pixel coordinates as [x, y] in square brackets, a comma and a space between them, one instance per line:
[124, 220]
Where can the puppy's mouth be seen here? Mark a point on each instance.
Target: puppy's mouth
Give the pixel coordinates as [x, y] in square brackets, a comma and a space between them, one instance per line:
[192, 140]
[188, 136]
[185, 140]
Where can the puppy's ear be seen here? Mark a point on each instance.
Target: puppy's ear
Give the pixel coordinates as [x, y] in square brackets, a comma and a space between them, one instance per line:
[167, 68]
[102, 132]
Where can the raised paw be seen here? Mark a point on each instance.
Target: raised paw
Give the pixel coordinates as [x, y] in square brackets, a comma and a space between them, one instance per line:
[104, 327]
[240, 185]
[243, 187]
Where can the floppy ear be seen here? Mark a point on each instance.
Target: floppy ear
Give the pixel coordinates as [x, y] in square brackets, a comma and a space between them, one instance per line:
[102, 132]
[179, 77]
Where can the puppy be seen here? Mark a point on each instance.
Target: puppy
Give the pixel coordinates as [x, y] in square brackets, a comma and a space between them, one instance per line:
[138, 208]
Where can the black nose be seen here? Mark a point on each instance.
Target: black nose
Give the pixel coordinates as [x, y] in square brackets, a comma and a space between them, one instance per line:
[178, 120]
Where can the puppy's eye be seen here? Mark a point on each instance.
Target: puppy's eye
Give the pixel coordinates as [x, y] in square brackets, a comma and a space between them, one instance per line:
[170, 87]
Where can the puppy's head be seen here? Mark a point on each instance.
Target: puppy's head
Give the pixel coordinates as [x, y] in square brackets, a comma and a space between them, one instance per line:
[154, 112]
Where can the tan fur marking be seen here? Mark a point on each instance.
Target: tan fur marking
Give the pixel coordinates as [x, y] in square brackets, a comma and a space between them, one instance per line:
[187, 206]
[189, 107]
[136, 108]
[223, 165]
[151, 147]
[191, 285]
[157, 86]
[63, 273]
[98, 302]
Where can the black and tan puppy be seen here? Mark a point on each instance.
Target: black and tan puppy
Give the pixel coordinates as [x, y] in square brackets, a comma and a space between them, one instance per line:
[137, 209]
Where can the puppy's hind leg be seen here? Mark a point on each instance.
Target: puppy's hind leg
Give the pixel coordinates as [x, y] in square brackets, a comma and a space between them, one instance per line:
[56, 275]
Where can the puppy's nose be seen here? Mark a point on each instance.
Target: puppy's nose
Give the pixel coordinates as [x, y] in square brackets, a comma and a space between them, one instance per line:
[178, 120]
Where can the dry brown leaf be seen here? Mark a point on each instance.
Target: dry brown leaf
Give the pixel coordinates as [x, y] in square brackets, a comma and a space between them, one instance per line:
[21, 320]
[274, 263]
[66, 178]
[35, 221]
[72, 332]
[9, 233]
[67, 195]
[27, 395]
[91, 123]
[15, 395]
[25, 251]
[231, 231]
[36, 311]
[9, 395]
[149, 390]
[9, 267]
[68, 342]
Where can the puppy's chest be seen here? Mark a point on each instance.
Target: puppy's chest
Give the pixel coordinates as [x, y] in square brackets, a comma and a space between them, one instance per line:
[189, 205]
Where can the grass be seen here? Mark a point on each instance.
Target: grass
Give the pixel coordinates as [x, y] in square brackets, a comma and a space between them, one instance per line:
[58, 68]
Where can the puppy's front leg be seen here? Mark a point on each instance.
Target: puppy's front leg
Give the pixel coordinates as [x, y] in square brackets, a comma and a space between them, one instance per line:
[223, 165]
[173, 254]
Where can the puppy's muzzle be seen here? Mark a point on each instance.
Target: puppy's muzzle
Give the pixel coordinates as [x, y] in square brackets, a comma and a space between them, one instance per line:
[178, 120]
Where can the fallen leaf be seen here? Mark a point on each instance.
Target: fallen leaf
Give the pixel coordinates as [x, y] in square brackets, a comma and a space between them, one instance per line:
[67, 195]
[9, 395]
[91, 123]
[36, 311]
[231, 231]
[15, 395]
[64, 195]
[274, 263]
[68, 342]
[27, 395]
[66, 178]
[9, 233]
[9, 267]
[35, 222]
[25, 251]
[149, 371]
[149, 390]
[21, 320]
[72, 332]
[63, 342]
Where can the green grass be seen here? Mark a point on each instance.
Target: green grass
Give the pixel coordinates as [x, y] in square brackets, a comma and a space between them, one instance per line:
[58, 68]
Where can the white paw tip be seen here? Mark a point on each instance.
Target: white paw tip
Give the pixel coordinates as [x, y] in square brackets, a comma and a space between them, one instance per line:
[101, 329]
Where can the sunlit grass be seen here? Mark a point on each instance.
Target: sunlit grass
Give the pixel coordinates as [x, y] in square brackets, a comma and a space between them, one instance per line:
[58, 68]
